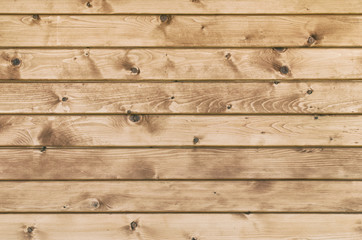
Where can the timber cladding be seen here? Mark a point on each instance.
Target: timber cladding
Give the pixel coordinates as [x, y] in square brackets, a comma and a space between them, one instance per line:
[183, 119]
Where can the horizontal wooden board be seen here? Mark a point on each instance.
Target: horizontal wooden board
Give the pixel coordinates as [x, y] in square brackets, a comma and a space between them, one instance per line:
[181, 196]
[180, 226]
[180, 30]
[183, 97]
[180, 130]
[188, 64]
[181, 6]
[175, 163]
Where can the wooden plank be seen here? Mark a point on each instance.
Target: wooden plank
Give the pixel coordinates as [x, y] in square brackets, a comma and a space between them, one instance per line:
[180, 130]
[183, 97]
[180, 30]
[181, 196]
[174, 163]
[180, 6]
[180, 226]
[188, 64]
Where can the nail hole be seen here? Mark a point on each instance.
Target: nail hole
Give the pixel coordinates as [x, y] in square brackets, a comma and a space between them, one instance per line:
[43, 149]
[134, 118]
[193, 238]
[135, 70]
[36, 17]
[279, 49]
[163, 18]
[30, 229]
[15, 61]
[64, 99]
[89, 5]
[133, 225]
[172, 97]
[196, 140]
[311, 39]
[315, 117]
[310, 91]
[284, 70]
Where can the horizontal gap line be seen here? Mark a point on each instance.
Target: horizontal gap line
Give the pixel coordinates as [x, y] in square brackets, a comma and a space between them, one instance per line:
[179, 47]
[184, 114]
[185, 212]
[178, 147]
[186, 180]
[322, 14]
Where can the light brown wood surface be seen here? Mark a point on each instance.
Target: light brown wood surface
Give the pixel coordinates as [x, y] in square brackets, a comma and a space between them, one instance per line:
[189, 130]
[180, 31]
[183, 97]
[181, 6]
[181, 226]
[181, 196]
[188, 64]
[181, 163]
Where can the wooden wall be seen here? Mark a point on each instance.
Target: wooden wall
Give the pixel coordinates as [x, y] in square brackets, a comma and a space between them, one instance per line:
[180, 119]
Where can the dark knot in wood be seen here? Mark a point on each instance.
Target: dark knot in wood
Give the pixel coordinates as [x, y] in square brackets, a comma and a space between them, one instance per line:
[284, 70]
[15, 62]
[135, 118]
[133, 225]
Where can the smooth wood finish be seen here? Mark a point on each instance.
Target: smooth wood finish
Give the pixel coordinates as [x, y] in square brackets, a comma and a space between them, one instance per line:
[194, 130]
[188, 64]
[181, 226]
[180, 30]
[183, 97]
[181, 196]
[181, 6]
[174, 163]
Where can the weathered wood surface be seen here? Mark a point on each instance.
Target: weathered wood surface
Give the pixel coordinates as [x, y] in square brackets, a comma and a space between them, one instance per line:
[180, 30]
[174, 163]
[188, 64]
[181, 196]
[183, 97]
[189, 130]
[181, 6]
[180, 226]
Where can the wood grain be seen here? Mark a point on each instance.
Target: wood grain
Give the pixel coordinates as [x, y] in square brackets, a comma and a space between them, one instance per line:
[174, 163]
[183, 97]
[189, 130]
[187, 64]
[180, 6]
[180, 31]
[181, 196]
[180, 226]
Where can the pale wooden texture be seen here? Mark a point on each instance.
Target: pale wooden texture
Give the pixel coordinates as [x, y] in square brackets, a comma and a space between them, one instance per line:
[174, 163]
[188, 64]
[181, 196]
[179, 30]
[181, 6]
[196, 130]
[181, 226]
[182, 97]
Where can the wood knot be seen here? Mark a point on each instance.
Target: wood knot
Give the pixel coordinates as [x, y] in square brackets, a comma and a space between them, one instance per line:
[310, 91]
[43, 149]
[135, 118]
[276, 82]
[30, 229]
[89, 4]
[228, 56]
[229, 106]
[172, 97]
[135, 71]
[64, 99]
[164, 18]
[36, 17]
[134, 225]
[315, 117]
[193, 238]
[15, 62]
[95, 204]
[311, 39]
[280, 49]
[284, 70]
[196, 140]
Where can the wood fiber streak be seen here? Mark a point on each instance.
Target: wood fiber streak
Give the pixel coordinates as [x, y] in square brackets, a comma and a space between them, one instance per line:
[188, 64]
[180, 6]
[198, 163]
[180, 31]
[196, 130]
[181, 196]
[183, 97]
[181, 226]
